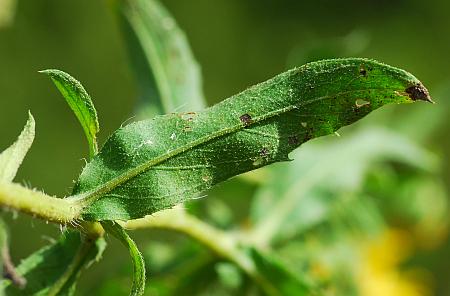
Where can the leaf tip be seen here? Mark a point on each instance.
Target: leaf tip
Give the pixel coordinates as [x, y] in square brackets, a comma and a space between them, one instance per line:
[30, 116]
[418, 92]
[52, 72]
[46, 71]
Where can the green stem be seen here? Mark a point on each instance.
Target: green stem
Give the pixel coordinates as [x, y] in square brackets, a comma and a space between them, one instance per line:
[38, 204]
[225, 245]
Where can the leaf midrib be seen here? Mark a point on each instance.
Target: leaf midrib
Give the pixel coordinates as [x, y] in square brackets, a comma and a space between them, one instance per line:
[91, 196]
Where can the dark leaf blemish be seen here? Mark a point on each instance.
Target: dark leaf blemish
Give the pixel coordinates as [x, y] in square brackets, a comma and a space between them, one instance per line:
[418, 92]
[363, 71]
[246, 119]
[264, 152]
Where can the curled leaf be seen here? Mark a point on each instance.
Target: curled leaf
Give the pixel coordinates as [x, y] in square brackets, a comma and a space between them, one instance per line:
[118, 232]
[80, 102]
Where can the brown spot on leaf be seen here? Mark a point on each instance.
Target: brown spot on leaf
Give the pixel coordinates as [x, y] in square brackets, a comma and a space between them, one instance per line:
[418, 92]
[188, 116]
[246, 119]
[264, 152]
[362, 70]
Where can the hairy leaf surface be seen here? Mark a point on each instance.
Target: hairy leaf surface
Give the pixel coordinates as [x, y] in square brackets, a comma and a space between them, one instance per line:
[154, 164]
[80, 102]
[117, 231]
[167, 73]
[11, 158]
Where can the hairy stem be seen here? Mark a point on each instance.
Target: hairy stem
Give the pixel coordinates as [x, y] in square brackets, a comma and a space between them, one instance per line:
[38, 204]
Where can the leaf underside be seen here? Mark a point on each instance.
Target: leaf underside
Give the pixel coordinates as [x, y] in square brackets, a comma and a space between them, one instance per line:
[152, 165]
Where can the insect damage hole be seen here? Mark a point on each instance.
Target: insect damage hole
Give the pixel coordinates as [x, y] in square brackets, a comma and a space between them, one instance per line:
[264, 154]
[363, 70]
[418, 92]
[361, 103]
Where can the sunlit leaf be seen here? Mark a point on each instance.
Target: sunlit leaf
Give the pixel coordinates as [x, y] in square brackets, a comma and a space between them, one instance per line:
[154, 164]
[11, 158]
[117, 231]
[167, 73]
[80, 102]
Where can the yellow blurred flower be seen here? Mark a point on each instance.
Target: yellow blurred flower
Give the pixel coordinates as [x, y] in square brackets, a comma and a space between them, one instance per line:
[378, 272]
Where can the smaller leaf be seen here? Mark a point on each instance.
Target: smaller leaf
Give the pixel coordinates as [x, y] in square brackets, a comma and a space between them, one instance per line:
[277, 279]
[44, 268]
[138, 261]
[10, 161]
[167, 73]
[11, 158]
[81, 104]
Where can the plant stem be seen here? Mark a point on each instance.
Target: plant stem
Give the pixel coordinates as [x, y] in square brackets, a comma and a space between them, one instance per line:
[224, 244]
[38, 204]
[9, 270]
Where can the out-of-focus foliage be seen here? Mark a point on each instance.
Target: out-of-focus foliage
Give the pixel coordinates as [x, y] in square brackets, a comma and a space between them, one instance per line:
[44, 268]
[7, 11]
[168, 75]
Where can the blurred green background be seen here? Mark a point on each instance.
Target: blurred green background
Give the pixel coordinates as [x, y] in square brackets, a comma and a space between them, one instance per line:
[237, 43]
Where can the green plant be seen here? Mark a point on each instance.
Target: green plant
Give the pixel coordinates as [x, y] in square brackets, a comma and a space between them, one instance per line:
[150, 166]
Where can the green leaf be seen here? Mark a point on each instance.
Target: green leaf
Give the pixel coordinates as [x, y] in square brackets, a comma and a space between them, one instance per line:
[50, 266]
[168, 75]
[138, 261]
[297, 197]
[277, 279]
[80, 102]
[10, 161]
[11, 158]
[152, 165]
